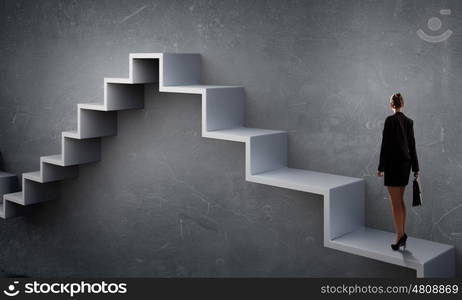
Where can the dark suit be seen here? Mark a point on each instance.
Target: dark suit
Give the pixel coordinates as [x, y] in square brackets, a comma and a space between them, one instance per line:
[397, 153]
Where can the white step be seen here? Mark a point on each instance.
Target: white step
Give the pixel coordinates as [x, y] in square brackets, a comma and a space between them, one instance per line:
[303, 180]
[14, 197]
[120, 96]
[430, 259]
[118, 80]
[239, 134]
[94, 123]
[8, 209]
[177, 69]
[80, 151]
[34, 176]
[195, 88]
[56, 159]
[92, 106]
[73, 134]
[51, 173]
[84, 157]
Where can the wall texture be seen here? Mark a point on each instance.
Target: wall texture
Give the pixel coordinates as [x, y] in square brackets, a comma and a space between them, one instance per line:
[164, 201]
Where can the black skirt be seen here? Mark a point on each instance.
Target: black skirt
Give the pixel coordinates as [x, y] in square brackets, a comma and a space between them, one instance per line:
[397, 174]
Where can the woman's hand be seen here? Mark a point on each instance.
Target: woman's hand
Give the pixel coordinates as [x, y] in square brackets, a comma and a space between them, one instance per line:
[416, 174]
[380, 174]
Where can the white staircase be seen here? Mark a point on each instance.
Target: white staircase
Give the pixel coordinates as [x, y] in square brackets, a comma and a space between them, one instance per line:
[265, 153]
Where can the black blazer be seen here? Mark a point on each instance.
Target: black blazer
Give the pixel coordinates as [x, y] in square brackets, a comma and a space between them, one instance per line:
[398, 143]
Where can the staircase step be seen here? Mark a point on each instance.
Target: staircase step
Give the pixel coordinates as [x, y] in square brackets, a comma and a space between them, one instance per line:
[117, 80]
[120, 96]
[302, 180]
[194, 89]
[419, 253]
[15, 197]
[92, 106]
[94, 123]
[9, 209]
[74, 134]
[56, 159]
[239, 134]
[34, 176]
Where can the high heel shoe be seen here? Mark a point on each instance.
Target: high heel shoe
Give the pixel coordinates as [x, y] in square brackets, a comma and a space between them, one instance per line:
[401, 242]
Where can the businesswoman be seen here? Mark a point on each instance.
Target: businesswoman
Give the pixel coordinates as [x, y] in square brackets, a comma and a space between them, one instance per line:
[397, 157]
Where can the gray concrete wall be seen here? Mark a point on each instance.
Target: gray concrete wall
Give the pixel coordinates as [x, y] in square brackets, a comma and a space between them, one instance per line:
[164, 201]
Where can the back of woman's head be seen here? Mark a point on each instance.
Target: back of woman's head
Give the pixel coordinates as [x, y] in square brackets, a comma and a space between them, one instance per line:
[397, 100]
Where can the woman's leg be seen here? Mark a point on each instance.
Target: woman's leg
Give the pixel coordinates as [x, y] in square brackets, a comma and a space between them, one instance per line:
[402, 189]
[397, 209]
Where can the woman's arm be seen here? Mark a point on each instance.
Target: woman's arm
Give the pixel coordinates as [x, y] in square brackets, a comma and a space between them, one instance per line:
[412, 150]
[384, 148]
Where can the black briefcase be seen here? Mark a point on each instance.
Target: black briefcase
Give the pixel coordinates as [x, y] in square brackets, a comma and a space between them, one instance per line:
[416, 193]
